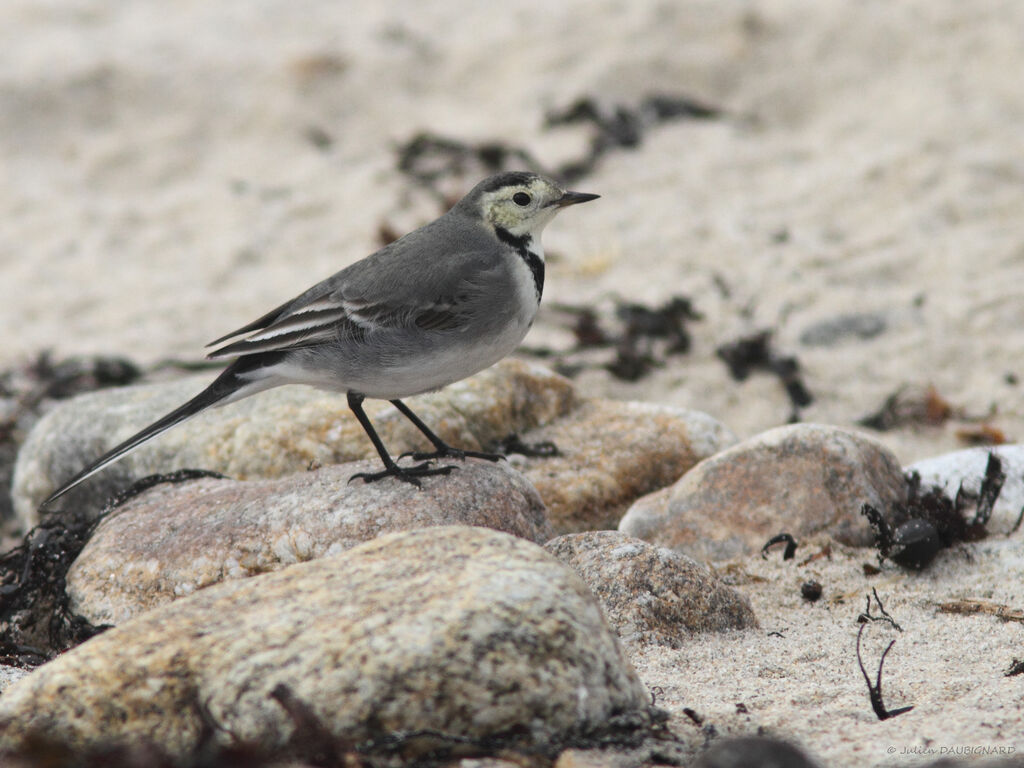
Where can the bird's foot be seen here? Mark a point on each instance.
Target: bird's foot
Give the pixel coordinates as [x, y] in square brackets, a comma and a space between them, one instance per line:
[448, 452]
[409, 475]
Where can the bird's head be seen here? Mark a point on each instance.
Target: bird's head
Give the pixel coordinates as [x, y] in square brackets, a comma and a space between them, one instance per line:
[518, 202]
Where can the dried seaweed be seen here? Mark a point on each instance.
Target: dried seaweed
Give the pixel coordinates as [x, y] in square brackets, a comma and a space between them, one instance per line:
[875, 689]
[824, 552]
[512, 443]
[909, 406]
[754, 353]
[970, 606]
[642, 337]
[932, 521]
[43, 378]
[431, 159]
[982, 434]
[36, 621]
[787, 553]
[618, 126]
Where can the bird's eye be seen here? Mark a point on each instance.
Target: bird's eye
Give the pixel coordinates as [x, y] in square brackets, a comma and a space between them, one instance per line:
[521, 198]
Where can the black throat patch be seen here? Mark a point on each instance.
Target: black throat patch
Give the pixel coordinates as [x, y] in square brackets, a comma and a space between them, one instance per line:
[533, 261]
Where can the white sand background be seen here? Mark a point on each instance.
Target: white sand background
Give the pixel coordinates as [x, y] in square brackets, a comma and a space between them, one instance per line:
[159, 189]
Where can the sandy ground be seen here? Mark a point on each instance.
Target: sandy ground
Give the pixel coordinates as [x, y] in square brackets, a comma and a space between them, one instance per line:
[798, 678]
[161, 187]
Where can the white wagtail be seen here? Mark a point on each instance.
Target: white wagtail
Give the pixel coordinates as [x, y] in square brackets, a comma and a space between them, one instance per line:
[440, 304]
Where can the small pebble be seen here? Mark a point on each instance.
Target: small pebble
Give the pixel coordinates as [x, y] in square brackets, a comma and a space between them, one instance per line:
[810, 591]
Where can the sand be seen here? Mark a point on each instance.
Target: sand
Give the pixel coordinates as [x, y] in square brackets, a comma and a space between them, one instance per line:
[798, 678]
[160, 188]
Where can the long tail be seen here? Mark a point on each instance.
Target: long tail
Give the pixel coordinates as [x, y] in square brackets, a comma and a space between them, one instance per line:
[226, 387]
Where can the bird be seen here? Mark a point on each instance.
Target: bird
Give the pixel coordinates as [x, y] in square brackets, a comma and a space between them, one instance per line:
[433, 307]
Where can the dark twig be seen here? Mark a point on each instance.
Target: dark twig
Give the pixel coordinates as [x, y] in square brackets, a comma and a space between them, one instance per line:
[991, 485]
[693, 715]
[787, 553]
[875, 691]
[866, 617]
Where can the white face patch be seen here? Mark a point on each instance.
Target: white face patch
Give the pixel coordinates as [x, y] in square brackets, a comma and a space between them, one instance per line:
[501, 208]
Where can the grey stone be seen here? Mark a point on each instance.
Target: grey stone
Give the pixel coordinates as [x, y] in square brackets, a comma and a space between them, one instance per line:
[801, 479]
[466, 631]
[175, 539]
[652, 594]
[858, 325]
[612, 453]
[272, 434]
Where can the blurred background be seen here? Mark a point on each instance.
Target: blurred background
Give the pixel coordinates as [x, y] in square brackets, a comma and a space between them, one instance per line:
[837, 185]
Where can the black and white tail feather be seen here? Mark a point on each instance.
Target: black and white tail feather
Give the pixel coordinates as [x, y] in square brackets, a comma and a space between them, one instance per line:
[431, 308]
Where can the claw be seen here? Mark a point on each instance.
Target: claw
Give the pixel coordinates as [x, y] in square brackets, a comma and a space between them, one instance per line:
[409, 475]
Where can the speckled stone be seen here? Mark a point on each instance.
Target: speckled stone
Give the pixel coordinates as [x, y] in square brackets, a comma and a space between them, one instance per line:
[652, 594]
[466, 631]
[801, 479]
[176, 539]
[10, 675]
[612, 453]
[271, 434]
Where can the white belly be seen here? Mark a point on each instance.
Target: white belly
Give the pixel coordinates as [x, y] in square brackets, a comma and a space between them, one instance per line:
[445, 366]
[466, 355]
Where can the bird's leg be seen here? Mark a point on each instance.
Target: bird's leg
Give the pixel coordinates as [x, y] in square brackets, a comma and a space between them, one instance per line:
[391, 469]
[441, 449]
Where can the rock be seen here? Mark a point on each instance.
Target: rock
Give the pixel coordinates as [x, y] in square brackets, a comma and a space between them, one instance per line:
[272, 434]
[967, 468]
[649, 593]
[10, 675]
[464, 631]
[801, 479]
[612, 453]
[754, 750]
[175, 539]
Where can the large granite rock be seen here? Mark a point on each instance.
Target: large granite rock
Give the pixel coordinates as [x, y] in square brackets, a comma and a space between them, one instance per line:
[463, 631]
[801, 479]
[271, 434]
[652, 594]
[612, 453]
[176, 539]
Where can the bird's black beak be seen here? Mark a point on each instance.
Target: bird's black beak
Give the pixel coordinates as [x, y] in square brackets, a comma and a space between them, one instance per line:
[572, 198]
